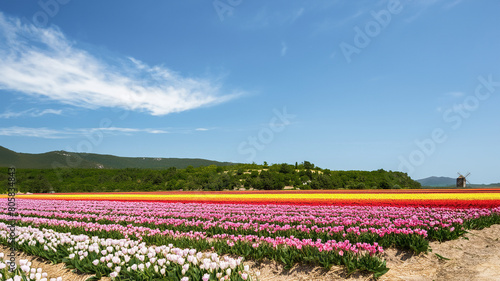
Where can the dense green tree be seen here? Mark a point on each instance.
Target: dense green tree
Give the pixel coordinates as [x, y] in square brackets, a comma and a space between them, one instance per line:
[286, 169]
[273, 177]
[384, 184]
[308, 165]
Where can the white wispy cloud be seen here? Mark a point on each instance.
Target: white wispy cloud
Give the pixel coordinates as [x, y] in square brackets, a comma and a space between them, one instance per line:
[448, 97]
[47, 133]
[449, 5]
[43, 63]
[266, 17]
[296, 14]
[30, 113]
[417, 8]
[455, 94]
[202, 129]
[70, 133]
[130, 130]
[331, 24]
[34, 132]
[284, 48]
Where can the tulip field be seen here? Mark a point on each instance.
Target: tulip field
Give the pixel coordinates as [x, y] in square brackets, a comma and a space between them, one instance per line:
[461, 198]
[209, 235]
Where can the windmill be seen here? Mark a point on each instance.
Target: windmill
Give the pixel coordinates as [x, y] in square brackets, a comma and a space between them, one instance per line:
[462, 180]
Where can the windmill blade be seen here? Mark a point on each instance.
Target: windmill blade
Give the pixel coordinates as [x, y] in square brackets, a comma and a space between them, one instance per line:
[467, 180]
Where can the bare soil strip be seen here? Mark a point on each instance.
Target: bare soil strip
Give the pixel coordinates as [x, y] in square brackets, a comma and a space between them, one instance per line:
[477, 258]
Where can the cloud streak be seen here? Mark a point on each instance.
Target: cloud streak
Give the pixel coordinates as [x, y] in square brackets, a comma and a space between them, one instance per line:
[264, 18]
[47, 133]
[284, 48]
[30, 113]
[455, 94]
[33, 132]
[43, 63]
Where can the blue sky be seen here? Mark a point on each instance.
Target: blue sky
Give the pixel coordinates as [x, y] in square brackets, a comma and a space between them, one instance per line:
[348, 85]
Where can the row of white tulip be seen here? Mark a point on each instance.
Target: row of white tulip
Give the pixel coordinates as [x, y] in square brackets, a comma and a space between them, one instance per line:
[125, 259]
[23, 271]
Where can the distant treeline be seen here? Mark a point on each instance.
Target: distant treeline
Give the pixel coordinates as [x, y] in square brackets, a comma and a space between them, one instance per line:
[209, 178]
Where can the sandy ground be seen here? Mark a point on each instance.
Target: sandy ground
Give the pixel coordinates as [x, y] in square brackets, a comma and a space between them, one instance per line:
[477, 258]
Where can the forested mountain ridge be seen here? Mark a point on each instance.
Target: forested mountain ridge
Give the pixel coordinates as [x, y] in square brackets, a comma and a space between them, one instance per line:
[64, 159]
[447, 182]
[437, 181]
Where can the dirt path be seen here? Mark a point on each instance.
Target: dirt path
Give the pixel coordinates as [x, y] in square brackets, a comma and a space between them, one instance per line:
[475, 259]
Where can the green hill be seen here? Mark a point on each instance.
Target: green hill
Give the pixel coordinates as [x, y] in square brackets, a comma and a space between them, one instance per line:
[446, 182]
[438, 181]
[64, 159]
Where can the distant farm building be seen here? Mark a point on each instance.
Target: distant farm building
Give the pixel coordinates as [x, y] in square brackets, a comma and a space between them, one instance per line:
[462, 180]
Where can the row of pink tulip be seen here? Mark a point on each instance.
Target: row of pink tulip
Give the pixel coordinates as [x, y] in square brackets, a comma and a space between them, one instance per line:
[270, 218]
[140, 232]
[270, 228]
